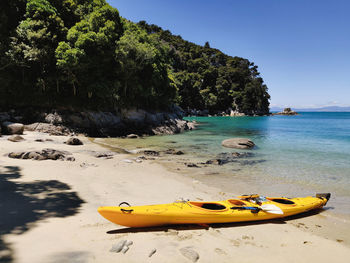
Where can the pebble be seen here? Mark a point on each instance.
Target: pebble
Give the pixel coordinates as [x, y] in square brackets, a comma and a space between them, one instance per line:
[129, 243]
[152, 252]
[189, 253]
[172, 232]
[125, 249]
[127, 161]
[118, 247]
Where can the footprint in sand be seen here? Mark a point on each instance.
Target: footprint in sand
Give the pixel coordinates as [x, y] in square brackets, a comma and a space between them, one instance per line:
[220, 251]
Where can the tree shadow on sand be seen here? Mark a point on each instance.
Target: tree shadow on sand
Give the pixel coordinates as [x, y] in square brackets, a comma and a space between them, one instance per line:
[23, 204]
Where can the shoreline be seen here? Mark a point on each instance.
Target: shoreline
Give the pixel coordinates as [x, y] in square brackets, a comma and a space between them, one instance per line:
[55, 203]
[336, 222]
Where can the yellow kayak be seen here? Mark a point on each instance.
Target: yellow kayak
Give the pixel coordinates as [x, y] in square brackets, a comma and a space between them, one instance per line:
[244, 208]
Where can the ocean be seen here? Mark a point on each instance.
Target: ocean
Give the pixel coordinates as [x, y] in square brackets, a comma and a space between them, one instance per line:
[294, 155]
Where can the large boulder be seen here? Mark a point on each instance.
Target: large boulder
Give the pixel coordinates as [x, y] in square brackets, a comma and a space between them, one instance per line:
[238, 143]
[12, 128]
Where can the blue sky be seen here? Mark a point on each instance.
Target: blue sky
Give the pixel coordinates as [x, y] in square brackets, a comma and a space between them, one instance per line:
[302, 47]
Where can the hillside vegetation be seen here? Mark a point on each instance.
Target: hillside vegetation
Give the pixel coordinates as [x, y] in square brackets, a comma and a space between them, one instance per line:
[83, 54]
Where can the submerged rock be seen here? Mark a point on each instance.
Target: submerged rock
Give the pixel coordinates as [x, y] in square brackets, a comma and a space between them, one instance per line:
[215, 161]
[251, 162]
[193, 165]
[150, 153]
[238, 143]
[224, 158]
[174, 152]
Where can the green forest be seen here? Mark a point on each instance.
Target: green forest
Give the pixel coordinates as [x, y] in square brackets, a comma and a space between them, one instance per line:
[83, 54]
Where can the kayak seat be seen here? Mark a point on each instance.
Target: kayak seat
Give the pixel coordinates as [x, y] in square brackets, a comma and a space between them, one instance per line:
[213, 206]
[209, 206]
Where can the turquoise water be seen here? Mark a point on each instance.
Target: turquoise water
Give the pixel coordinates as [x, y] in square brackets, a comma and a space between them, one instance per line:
[294, 155]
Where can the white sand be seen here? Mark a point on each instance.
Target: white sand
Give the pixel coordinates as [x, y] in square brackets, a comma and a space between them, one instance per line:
[80, 234]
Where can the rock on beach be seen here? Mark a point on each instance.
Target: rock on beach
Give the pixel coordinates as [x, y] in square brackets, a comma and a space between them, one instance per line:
[12, 128]
[15, 138]
[45, 154]
[238, 143]
[190, 254]
[74, 141]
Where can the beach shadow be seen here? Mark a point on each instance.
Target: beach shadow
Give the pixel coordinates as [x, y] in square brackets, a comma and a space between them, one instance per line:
[221, 225]
[23, 204]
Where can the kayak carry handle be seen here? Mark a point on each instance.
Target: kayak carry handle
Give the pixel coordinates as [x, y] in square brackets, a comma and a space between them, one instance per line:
[125, 210]
[324, 195]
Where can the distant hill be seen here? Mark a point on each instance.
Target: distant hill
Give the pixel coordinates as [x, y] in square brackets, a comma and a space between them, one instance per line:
[322, 109]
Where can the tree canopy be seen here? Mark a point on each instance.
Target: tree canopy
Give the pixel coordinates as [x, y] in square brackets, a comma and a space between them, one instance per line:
[82, 53]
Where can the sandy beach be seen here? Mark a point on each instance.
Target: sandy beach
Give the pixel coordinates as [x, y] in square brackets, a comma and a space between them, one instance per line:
[49, 213]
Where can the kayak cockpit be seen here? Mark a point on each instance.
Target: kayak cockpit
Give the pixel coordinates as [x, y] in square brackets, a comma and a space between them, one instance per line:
[284, 201]
[210, 206]
[236, 202]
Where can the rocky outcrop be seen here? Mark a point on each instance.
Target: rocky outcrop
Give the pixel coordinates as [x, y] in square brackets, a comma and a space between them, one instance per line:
[12, 128]
[226, 113]
[51, 129]
[238, 143]
[287, 111]
[173, 152]
[101, 124]
[45, 154]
